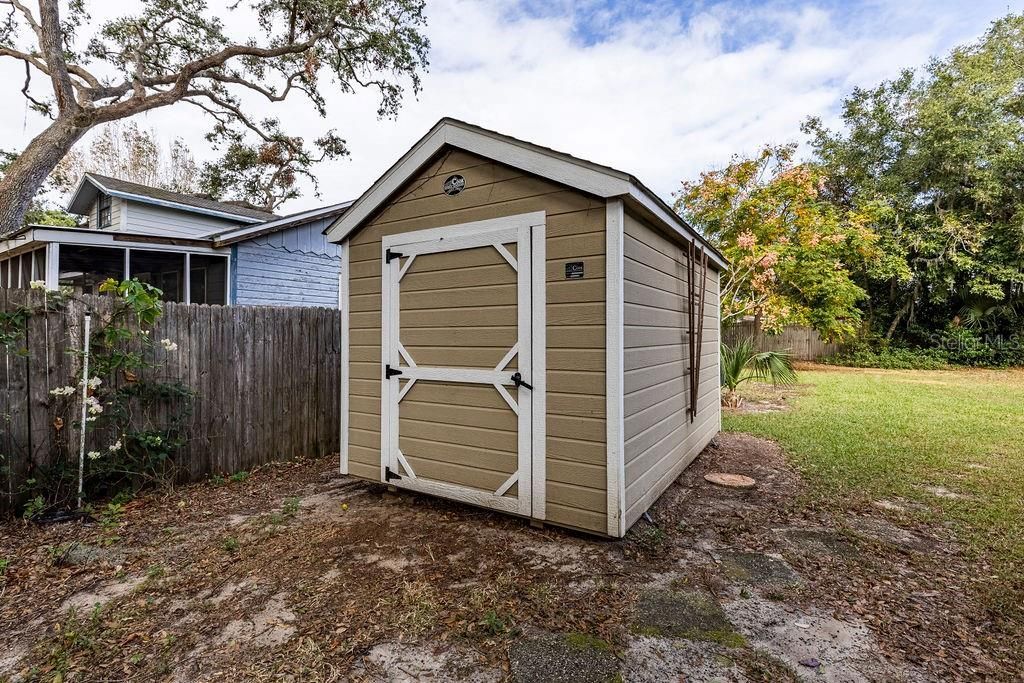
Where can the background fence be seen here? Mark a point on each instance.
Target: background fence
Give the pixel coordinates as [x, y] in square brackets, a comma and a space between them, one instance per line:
[267, 384]
[803, 342]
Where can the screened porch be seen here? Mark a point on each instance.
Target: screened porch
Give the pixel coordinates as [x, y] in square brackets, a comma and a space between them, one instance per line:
[184, 276]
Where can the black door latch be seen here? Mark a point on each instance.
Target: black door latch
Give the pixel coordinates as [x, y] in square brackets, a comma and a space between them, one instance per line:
[390, 372]
[517, 379]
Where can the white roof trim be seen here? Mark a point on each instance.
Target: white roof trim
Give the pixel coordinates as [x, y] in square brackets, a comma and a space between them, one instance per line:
[43, 234]
[585, 176]
[310, 214]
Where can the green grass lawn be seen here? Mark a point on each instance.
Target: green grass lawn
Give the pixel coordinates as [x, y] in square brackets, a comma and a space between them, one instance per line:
[864, 435]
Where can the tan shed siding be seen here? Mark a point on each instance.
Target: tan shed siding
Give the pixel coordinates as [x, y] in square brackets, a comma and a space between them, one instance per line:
[575, 318]
[659, 438]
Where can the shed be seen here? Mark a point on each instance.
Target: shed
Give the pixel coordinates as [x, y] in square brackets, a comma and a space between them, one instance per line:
[524, 331]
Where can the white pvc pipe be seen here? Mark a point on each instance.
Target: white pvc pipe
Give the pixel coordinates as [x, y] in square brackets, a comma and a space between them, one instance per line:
[85, 406]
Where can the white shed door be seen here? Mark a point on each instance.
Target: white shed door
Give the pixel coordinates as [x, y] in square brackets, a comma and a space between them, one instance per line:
[456, 418]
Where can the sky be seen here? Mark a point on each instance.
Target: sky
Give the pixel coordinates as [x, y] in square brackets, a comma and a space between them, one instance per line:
[662, 90]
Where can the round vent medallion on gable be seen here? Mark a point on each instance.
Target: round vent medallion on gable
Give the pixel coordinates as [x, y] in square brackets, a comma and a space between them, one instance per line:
[454, 184]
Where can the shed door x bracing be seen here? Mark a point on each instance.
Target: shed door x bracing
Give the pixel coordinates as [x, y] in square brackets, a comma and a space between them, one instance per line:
[456, 356]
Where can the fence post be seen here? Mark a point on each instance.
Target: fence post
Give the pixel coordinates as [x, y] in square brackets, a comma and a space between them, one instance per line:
[85, 405]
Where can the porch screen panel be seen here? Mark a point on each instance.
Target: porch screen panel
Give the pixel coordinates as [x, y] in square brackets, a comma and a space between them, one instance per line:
[208, 279]
[39, 260]
[85, 268]
[163, 269]
[25, 271]
[5, 272]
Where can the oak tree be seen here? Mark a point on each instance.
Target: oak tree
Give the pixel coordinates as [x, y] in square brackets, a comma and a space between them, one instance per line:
[182, 52]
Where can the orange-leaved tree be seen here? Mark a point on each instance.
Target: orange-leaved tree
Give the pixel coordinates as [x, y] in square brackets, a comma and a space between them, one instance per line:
[795, 258]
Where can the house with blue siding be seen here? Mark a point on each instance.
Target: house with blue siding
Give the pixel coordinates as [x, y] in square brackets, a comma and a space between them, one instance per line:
[194, 249]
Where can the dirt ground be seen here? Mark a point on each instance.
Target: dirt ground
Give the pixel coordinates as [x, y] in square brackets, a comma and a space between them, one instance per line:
[297, 573]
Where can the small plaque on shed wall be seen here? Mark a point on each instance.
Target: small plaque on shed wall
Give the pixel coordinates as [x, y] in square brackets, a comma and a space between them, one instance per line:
[574, 270]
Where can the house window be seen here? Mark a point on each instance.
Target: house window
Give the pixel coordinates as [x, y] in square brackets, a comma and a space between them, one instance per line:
[85, 268]
[165, 270]
[104, 215]
[208, 279]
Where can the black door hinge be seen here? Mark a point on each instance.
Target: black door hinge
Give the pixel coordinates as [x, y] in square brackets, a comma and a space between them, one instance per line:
[390, 256]
[390, 372]
[389, 475]
[517, 379]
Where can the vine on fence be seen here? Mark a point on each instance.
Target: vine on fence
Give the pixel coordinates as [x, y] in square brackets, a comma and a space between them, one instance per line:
[135, 421]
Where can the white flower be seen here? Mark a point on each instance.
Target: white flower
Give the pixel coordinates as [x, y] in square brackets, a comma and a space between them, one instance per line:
[116, 446]
[94, 382]
[169, 345]
[94, 405]
[94, 455]
[91, 419]
[37, 284]
[62, 391]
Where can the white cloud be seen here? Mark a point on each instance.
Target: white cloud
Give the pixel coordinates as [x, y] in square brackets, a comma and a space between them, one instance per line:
[661, 93]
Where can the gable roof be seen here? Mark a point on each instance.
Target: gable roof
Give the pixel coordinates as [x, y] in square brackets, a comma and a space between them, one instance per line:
[249, 232]
[93, 183]
[586, 176]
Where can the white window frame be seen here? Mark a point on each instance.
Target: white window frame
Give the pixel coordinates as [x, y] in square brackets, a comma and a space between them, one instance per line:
[109, 209]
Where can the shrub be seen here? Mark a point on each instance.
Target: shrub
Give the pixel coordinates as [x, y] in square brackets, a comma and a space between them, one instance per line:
[955, 345]
[967, 346]
[898, 358]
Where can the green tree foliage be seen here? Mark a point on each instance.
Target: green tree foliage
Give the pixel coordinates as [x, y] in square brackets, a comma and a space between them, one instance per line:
[794, 255]
[942, 153]
[266, 175]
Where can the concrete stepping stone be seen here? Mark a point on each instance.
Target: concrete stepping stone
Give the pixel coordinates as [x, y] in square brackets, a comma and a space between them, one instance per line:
[817, 540]
[758, 570]
[543, 657]
[693, 615]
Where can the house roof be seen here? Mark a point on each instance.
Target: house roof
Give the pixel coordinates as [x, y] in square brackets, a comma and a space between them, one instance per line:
[586, 176]
[93, 183]
[249, 232]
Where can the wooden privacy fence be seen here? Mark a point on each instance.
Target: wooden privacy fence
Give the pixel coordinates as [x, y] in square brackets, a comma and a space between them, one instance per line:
[266, 380]
[803, 342]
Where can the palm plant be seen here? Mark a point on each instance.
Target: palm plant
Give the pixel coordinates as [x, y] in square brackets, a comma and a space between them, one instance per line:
[744, 362]
[981, 313]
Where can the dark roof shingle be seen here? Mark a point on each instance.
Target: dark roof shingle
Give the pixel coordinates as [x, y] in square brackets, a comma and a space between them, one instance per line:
[126, 187]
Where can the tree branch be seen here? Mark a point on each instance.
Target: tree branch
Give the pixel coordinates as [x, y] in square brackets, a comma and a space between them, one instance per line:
[52, 47]
[41, 106]
[181, 79]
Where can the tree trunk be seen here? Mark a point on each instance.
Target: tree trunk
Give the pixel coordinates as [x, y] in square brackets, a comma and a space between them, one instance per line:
[26, 175]
[900, 313]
